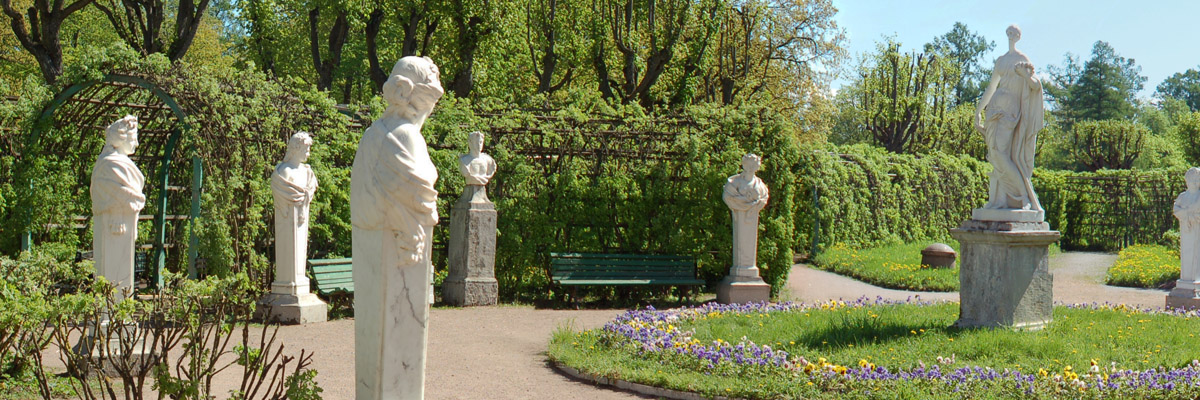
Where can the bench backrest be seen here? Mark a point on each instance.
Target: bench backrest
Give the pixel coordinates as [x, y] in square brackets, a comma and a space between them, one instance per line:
[332, 274]
[620, 266]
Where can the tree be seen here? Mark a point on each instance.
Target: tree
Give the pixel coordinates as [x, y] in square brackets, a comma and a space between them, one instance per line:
[337, 36]
[1183, 86]
[905, 97]
[1105, 87]
[546, 23]
[418, 22]
[139, 23]
[1108, 144]
[474, 21]
[773, 47]
[644, 33]
[40, 34]
[966, 49]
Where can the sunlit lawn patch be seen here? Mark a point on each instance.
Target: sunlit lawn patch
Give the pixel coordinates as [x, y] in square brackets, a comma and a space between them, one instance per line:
[871, 349]
[1144, 266]
[895, 266]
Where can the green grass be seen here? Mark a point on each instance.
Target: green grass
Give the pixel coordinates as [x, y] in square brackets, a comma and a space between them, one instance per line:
[894, 267]
[1144, 266]
[895, 336]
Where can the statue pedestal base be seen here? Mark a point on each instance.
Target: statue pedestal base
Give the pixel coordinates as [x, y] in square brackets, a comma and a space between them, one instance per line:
[303, 308]
[1004, 278]
[471, 279]
[1184, 296]
[113, 353]
[743, 288]
[391, 317]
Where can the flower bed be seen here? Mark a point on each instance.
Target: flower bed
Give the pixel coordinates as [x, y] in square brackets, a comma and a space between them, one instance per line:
[895, 266]
[876, 348]
[1144, 266]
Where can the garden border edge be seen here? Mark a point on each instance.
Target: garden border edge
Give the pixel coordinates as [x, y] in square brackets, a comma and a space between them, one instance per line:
[631, 386]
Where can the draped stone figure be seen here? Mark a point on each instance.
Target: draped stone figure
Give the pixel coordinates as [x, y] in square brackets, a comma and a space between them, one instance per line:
[393, 208]
[293, 186]
[116, 191]
[746, 195]
[471, 279]
[1187, 210]
[1010, 115]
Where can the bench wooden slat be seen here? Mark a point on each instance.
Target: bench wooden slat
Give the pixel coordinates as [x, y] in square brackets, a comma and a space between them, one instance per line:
[620, 256]
[631, 282]
[592, 269]
[332, 275]
[620, 262]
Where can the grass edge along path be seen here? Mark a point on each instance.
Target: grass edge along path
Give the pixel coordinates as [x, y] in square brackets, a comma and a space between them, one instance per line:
[670, 349]
[896, 266]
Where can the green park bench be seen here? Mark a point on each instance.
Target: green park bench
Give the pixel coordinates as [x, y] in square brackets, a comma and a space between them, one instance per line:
[332, 278]
[624, 270]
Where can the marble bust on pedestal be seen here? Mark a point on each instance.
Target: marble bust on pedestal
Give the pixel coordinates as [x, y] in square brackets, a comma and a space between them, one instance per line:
[393, 209]
[746, 195]
[471, 279]
[1187, 210]
[116, 191]
[293, 185]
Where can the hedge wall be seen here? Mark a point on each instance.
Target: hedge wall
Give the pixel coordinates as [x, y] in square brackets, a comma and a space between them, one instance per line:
[1108, 210]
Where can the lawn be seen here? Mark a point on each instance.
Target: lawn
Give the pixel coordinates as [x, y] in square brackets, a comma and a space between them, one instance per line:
[872, 349]
[1144, 266]
[894, 266]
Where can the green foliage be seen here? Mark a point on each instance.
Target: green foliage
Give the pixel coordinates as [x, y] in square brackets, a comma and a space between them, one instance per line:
[965, 49]
[904, 98]
[868, 196]
[890, 266]
[1188, 134]
[1184, 86]
[1105, 87]
[1108, 144]
[1144, 266]
[1108, 209]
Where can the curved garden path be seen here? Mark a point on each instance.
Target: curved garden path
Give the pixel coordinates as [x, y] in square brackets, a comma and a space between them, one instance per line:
[498, 352]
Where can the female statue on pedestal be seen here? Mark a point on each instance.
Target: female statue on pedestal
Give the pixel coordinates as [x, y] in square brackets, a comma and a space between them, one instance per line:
[1010, 115]
[116, 192]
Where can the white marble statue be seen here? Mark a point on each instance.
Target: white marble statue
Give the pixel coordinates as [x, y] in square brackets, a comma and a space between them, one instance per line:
[1187, 210]
[393, 208]
[746, 195]
[293, 185]
[476, 166]
[1010, 115]
[116, 191]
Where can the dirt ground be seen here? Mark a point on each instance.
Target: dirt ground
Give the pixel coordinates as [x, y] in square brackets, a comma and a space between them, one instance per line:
[498, 352]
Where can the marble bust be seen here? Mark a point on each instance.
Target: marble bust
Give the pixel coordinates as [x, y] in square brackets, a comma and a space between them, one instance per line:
[293, 186]
[393, 209]
[746, 195]
[1010, 115]
[476, 166]
[1187, 210]
[116, 191]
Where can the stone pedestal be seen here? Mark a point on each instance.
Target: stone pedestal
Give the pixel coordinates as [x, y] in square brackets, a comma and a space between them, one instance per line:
[1184, 295]
[303, 308]
[472, 277]
[1004, 274]
[743, 285]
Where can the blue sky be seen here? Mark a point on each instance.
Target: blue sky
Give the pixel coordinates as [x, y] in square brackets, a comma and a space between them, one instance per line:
[1162, 36]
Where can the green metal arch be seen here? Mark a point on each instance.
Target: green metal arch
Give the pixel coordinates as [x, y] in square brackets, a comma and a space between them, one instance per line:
[44, 122]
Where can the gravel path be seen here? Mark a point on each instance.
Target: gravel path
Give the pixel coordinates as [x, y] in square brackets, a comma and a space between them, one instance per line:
[499, 352]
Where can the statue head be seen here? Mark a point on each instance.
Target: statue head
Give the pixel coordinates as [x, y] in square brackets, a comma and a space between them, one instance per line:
[122, 135]
[297, 148]
[1014, 33]
[413, 87]
[1192, 176]
[475, 143]
[751, 163]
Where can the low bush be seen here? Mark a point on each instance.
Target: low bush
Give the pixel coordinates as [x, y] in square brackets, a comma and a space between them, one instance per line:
[895, 266]
[1144, 266]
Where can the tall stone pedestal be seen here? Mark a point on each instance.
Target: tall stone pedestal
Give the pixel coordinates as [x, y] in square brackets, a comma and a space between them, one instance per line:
[1005, 276]
[287, 308]
[472, 277]
[743, 285]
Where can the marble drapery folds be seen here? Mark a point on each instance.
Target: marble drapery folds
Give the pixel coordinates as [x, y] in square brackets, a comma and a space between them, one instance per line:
[117, 198]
